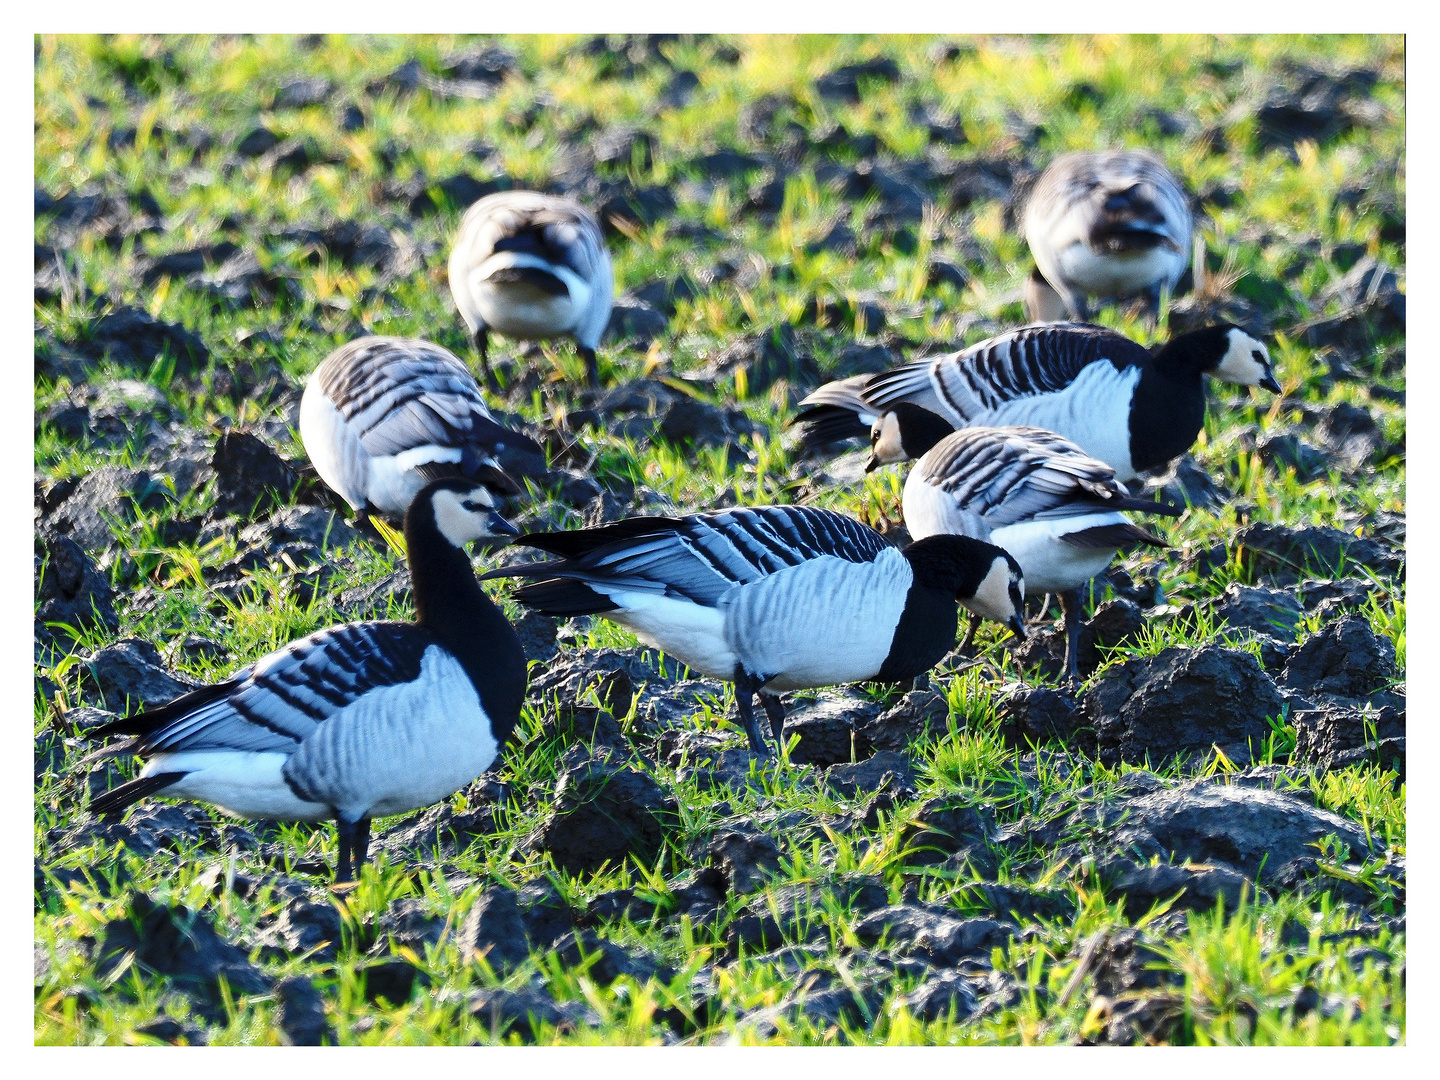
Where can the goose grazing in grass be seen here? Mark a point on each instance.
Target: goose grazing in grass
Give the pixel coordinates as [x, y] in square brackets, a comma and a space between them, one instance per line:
[532, 266]
[1105, 393]
[383, 416]
[774, 597]
[1058, 511]
[356, 721]
[1109, 223]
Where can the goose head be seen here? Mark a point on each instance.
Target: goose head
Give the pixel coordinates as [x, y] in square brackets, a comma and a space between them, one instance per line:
[463, 512]
[903, 433]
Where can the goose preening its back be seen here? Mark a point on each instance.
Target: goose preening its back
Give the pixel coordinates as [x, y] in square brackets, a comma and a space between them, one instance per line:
[1058, 511]
[383, 416]
[532, 266]
[1109, 223]
[1109, 395]
[776, 597]
[360, 720]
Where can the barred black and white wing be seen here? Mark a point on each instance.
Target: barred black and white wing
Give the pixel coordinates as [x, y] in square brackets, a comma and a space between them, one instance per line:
[1006, 475]
[990, 382]
[280, 700]
[353, 722]
[703, 557]
[378, 409]
[1034, 360]
[404, 393]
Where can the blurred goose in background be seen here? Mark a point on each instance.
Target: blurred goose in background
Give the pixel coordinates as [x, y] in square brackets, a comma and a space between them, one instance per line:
[383, 416]
[1058, 511]
[774, 598]
[1108, 223]
[532, 266]
[357, 721]
[1109, 395]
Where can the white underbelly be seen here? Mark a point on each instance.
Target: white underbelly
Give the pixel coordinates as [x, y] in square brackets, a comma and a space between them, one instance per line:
[1048, 562]
[333, 447]
[931, 511]
[522, 311]
[1119, 273]
[692, 633]
[243, 784]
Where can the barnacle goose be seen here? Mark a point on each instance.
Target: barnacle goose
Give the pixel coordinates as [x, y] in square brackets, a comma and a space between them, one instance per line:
[1057, 510]
[774, 597]
[532, 266]
[1110, 223]
[1108, 394]
[356, 721]
[383, 416]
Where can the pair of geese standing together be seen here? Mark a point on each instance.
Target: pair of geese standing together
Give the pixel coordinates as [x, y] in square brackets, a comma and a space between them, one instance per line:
[1023, 442]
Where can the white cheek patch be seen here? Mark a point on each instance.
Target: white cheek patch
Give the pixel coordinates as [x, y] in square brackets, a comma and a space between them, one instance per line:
[992, 598]
[1239, 365]
[889, 447]
[457, 524]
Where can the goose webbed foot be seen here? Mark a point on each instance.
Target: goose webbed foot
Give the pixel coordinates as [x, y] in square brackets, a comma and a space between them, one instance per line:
[354, 843]
[745, 691]
[776, 712]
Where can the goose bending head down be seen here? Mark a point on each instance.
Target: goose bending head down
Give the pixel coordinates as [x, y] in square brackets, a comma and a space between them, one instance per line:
[774, 597]
[355, 721]
[383, 416]
[1058, 511]
[532, 266]
[1112, 223]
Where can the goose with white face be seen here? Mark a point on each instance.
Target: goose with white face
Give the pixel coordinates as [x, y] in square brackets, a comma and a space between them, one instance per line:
[464, 517]
[1000, 595]
[886, 445]
[1246, 362]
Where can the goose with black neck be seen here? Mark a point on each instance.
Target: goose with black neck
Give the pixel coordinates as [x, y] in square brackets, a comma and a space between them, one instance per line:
[1105, 393]
[355, 721]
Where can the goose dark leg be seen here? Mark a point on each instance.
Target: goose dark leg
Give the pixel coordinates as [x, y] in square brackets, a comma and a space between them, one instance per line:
[482, 346]
[776, 712]
[969, 641]
[354, 840]
[592, 366]
[1070, 604]
[745, 689]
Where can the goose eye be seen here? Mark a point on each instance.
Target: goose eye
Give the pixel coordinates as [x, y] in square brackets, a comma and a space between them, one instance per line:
[1258, 356]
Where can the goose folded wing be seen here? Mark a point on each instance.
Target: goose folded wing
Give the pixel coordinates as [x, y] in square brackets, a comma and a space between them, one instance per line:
[705, 556]
[1024, 475]
[280, 701]
[1041, 359]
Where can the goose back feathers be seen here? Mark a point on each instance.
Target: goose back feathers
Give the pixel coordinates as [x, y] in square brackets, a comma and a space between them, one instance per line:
[1113, 223]
[382, 416]
[1058, 511]
[1091, 385]
[792, 596]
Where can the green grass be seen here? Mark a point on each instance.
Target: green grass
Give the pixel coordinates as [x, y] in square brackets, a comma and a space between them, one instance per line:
[1277, 237]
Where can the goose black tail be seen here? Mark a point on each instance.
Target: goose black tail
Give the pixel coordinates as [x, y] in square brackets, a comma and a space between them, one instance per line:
[563, 598]
[573, 543]
[117, 799]
[1146, 506]
[826, 424]
[1113, 536]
